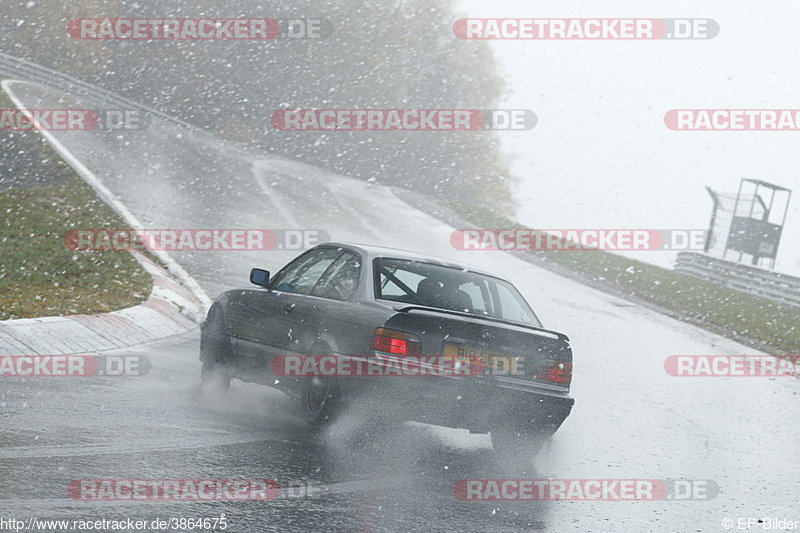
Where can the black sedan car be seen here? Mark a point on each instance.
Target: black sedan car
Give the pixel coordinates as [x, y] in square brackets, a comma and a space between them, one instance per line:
[481, 359]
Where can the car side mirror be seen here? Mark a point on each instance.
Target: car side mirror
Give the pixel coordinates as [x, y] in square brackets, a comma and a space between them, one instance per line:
[259, 277]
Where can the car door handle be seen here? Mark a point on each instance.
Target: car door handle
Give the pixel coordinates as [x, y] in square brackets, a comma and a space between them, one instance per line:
[289, 308]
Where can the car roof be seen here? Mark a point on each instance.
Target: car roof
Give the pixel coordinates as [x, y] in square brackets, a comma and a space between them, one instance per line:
[370, 252]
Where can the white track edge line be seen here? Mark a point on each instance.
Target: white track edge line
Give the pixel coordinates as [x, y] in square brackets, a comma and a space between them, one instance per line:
[178, 271]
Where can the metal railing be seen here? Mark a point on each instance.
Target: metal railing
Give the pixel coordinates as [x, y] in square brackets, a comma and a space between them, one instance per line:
[767, 284]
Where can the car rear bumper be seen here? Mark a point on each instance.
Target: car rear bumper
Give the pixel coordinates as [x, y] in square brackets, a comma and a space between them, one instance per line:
[477, 404]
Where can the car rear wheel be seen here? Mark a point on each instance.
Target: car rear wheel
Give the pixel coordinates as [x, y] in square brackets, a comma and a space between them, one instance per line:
[517, 444]
[215, 352]
[215, 375]
[320, 401]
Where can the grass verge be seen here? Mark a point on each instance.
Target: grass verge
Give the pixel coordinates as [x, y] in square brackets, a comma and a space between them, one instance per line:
[754, 321]
[41, 198]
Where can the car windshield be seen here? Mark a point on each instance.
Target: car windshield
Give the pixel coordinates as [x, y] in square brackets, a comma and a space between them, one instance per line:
[453, 289]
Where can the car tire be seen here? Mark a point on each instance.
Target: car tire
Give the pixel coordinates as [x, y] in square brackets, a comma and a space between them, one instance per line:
[320, 401]
[215, 352]
[509, 443]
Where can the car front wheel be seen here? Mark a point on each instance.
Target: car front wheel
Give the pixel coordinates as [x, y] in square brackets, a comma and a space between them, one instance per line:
[215, 352]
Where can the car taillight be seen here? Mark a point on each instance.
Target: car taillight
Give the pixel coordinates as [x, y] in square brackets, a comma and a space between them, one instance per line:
[395, 342]
[556, 372]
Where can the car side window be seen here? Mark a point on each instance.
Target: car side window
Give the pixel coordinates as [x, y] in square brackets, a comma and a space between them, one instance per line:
[341, 279]
[303, 273]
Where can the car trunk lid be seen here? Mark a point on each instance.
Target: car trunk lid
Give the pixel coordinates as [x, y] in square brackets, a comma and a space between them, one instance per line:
[497, 347]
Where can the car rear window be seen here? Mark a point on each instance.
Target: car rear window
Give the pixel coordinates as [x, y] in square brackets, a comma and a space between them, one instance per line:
[453, 289]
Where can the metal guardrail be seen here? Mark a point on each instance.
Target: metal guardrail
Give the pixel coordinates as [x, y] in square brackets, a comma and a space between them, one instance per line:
[27, 71]
[773, 286]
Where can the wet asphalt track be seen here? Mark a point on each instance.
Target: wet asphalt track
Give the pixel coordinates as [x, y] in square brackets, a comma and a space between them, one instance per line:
[631, 420]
